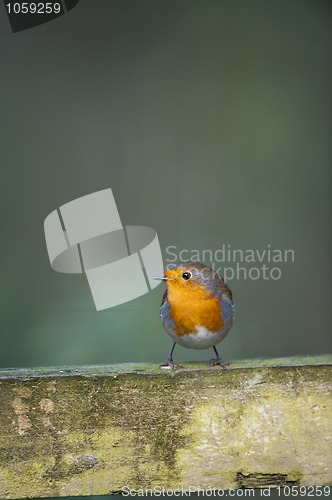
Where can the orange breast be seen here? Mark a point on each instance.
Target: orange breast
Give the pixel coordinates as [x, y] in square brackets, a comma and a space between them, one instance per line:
[194, 307]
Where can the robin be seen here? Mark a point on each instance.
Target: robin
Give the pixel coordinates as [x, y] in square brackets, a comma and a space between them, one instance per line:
[197, 308]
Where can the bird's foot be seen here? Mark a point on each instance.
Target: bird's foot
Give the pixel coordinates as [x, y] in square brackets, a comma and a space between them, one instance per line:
[169, 365]
[218, 362]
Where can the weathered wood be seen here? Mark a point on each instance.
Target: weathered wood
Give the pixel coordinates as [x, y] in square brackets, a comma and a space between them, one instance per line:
[94, 430]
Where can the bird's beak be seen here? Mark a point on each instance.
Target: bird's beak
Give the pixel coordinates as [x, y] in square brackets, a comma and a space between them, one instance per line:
[161, 277]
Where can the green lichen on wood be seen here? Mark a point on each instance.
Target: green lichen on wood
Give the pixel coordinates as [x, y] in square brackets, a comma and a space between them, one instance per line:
[94, 430]
[152, 368]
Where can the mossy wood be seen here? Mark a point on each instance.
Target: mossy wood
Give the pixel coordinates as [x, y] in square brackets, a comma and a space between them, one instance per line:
[94, 430]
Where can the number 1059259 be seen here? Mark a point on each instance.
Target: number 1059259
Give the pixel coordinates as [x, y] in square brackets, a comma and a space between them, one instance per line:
[33, 8]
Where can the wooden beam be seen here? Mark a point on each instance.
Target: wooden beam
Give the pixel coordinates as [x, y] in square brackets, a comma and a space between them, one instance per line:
[99, 429]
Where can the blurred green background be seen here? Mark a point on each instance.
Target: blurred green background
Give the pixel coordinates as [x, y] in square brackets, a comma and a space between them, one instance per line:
[211, 122]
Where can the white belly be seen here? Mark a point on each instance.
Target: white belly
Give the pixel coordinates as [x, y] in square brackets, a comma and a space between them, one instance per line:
[201, 339]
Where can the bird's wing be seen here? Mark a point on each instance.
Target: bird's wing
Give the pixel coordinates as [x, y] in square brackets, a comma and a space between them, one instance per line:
[164, 307]
[164, 298]
[227, 306]
[226, 291]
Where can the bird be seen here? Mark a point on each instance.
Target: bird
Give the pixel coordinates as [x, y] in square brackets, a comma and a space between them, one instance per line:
[197, 308]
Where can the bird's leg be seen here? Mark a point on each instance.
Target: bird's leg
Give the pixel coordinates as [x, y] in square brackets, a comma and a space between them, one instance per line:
[169, 361]
[218, 360]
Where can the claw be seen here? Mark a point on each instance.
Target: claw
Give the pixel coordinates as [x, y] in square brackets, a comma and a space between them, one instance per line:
[169, 361]
[169, 364]
[218, 362]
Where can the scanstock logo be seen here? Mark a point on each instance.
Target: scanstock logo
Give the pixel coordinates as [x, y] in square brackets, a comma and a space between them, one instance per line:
[86, 236]
[24, 15]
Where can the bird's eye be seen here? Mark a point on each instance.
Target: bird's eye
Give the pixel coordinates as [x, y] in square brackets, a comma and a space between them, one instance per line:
[186, 276]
